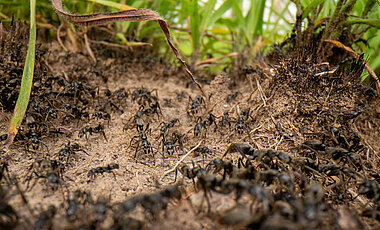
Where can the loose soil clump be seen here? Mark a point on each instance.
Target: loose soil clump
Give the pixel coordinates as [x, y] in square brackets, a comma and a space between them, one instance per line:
[129, 143]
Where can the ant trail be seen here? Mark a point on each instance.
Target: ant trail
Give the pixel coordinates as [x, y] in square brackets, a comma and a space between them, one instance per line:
[180, 161]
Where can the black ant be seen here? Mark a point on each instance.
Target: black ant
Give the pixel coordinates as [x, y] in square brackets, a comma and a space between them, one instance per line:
[231, 97]
[90, 130]
[50, 170]
[142, 143]
[76, 111]
[180, 138]
[136, 121]
[120, 94]
[201, 124]
[189, 172]
[169, 143]
[100, 170]
[102, 115]
[45, 218]
[203, 150]
[154, 108]
[143, 96]
[241, 125]
[180, 96]
[194, 106]
[226, 120]
[69, 149]
[166, 126]
[218, 164]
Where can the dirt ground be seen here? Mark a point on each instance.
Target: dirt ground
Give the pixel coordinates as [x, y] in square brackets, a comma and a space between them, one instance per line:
[288, 142]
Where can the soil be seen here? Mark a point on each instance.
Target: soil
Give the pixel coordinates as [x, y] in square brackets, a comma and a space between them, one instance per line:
[303, 130]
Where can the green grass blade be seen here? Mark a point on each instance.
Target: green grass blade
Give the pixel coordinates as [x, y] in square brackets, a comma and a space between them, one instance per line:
[255, 18]
[311, 7]
[195, 23]
[27, 79]
[371, 22]
[240, 20]
[112, 4]
[220, 11]
[207, 13]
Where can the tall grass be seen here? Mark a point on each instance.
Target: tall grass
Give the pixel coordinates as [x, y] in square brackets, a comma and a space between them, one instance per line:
[212, 28]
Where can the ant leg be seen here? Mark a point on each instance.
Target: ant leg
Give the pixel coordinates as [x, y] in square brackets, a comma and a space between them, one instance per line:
[104, 135]
[152, 154]
[248, 134]
[137, 149]
[208, 203]
[176, 174]
[130, 143]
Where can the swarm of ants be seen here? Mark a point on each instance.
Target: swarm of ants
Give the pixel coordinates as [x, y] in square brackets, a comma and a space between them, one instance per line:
[271, 187]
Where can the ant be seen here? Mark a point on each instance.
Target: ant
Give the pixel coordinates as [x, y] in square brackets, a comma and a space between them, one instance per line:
[243, 148]
[241, 125]
[211, 119]
[142, 143]
[152, 203]
[194, 105]
[166, 126]
[203, 150]
[136, 121]
[231, 97]
[169, 144]
[51, 170]
[154, 108]
[181, 138]
[201, 124]
[225, 120]
[143, 96]
[45, 219]
[218, 164]
[100, 170]
[111, 102]
[69, 149]
[102, 115]
[76, 111]
[155, 202]
[208, 182]
[190, 173]
[90, 130]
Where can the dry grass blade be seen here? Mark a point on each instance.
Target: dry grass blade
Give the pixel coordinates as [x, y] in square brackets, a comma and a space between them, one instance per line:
[368, 68]
[132, 15]
[213, 60]
[180, 161]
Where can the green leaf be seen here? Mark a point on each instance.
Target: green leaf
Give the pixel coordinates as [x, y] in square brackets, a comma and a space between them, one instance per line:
[27, 79]
[311, 7]
[206, 15]
[112, 4]
[195, 23]
[220, 11]
[371, 22]
[255, 18]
